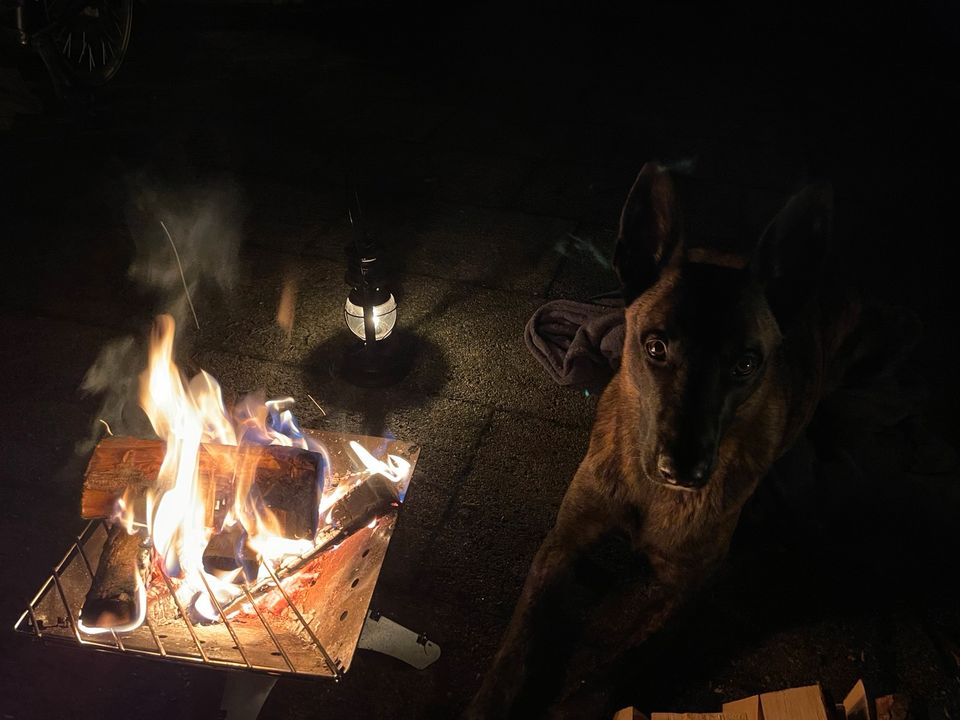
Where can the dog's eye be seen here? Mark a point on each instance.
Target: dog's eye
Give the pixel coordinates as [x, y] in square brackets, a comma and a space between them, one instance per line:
[656, 348]
[747, 365]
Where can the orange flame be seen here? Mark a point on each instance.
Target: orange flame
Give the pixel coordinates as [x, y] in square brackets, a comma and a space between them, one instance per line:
[186, 414]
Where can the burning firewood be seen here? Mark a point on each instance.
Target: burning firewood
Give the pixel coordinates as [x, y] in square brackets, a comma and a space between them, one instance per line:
[367, 500]
[229, 550]
[285, 479]
[364, 502]
[112, 600]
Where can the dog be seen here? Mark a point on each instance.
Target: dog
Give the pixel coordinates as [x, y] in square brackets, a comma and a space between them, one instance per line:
[725, 359]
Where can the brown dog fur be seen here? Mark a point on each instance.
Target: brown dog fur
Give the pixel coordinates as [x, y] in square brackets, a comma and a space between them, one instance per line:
[710, 308]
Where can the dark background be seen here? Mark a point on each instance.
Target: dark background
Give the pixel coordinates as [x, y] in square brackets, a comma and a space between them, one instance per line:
[493, 145]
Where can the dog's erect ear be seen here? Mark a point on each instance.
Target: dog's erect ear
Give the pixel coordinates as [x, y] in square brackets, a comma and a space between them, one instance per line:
[789, 258]
[649, 231]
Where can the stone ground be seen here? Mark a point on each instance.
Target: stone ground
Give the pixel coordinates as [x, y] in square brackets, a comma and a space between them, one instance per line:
[493, 148]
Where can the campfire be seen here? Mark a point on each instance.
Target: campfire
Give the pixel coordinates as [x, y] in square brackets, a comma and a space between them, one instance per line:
[236, 539]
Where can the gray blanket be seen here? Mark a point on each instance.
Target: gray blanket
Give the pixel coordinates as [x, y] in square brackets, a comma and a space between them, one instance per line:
[579, 344]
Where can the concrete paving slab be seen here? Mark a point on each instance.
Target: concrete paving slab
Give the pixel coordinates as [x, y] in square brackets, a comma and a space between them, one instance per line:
[587, 269]
[450, 424]
[479, 334]
[481, 246]
[504, 508]
[459, 333]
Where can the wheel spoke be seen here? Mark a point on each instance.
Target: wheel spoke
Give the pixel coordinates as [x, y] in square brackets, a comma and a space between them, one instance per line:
[114, 35]
[105, 30]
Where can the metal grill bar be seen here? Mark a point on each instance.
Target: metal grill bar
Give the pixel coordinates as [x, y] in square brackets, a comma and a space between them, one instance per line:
[78, 544]
[74, 624]
[156, 638]
[183, 614]
[306, 626]
[66, 605]
[324, 540]
[40, 593]
[226, 623]
[33, 621]
[270, 632]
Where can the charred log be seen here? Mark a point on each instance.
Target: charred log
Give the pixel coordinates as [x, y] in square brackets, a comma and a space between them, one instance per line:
[112, 600]
[229, 551]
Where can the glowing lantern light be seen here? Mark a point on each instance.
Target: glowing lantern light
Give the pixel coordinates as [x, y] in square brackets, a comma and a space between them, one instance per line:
[382, 310]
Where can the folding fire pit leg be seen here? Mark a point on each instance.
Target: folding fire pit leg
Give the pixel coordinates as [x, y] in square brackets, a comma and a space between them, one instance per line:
[244, 695]
[383, 635]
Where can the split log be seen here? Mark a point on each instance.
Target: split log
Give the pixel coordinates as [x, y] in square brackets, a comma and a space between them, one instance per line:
[112, 600]
[367, 500]
[285, 479]
[229, 550]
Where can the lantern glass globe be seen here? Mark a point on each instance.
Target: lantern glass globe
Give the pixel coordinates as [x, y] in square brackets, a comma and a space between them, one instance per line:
[384, 318]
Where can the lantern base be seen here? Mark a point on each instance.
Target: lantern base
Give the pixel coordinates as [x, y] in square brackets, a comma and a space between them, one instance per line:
[382, 364]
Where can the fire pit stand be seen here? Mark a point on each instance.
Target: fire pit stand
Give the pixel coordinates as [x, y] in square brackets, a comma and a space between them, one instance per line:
[309, 624]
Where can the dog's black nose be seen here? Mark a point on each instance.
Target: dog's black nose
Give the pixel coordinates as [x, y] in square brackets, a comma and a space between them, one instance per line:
[699, 472]
[692, 477]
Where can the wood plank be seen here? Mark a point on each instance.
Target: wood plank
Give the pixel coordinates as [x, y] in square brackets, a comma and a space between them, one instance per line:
[748, 706]
[856, 704]
[629, 713]
[800, 703]
[695, 716]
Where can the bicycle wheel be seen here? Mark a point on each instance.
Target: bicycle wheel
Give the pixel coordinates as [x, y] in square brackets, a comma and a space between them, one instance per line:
[91, 37]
